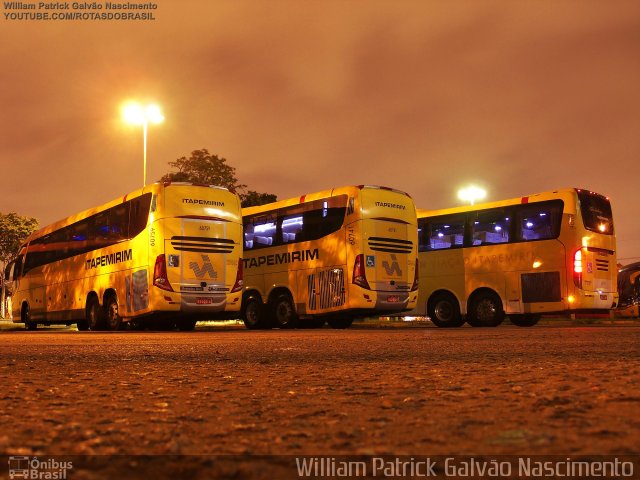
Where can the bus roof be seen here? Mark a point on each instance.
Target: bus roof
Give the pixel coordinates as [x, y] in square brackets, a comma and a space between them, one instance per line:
[562, 193]
[153, 188]
[310, 197]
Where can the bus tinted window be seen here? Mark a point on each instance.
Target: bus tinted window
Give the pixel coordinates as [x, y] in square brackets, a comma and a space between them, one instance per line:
[596, 212]
[322, 219]
[441, 233]
[539, 221]
[292, 226]
[259, 233]
[139, 215]
[103, 229]
[297, 223]
[490, 226]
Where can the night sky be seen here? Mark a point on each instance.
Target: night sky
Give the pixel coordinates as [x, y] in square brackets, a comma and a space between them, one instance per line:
[300, 96]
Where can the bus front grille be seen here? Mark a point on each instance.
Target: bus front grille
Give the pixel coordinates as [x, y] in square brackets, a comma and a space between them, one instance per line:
[390, 245]
[202, 244]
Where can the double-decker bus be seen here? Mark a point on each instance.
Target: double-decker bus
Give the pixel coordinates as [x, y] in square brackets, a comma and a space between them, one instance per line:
[550, 252]
[333, 255]
[172, 250]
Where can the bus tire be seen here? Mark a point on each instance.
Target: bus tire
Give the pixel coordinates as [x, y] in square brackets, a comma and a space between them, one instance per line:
[186, 324]
[526, 320]
[253, 313]
[25, 316]
[485, 310]
[283, 313]
[444, 311]
[112, 315]
[93, 315]
[82, 325]
[340, 323]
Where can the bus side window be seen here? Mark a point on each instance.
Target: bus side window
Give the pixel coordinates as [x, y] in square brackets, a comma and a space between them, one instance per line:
[292, 227]
[440, 233]
[139, 214]
[260, 232]
[539, 221]
[491, 227]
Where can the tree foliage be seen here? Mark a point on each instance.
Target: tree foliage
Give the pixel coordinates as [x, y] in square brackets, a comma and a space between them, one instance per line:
[14, 229]
[205, 168]
[253, 198]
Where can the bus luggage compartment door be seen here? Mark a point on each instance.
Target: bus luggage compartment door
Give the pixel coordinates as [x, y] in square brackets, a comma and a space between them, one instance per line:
[196, 264]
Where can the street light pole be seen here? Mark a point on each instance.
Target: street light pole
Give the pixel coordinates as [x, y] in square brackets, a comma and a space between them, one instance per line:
[145, 126]
[136, 114]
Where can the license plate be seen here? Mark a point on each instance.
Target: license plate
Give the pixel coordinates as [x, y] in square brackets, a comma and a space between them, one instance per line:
[393, 298]
[603, 297]
[203, 301]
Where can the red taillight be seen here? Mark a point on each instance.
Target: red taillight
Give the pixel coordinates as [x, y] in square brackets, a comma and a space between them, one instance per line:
[160, 278]
[359, 275]
[577, 268]
[239, 278]
[414, 287]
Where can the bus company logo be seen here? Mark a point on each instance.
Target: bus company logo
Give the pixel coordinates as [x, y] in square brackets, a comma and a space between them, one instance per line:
[110, 259]
[392, 268]
[280, 258]
[197, 201]
[207, 268]
[391, 205]
[23, 467]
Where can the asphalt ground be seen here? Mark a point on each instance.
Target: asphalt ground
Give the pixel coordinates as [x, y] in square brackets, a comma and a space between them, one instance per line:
[558, 388]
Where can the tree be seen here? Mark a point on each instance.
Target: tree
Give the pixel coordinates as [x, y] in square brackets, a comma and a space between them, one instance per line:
[203, 167]
[14, 229]
[253, 198]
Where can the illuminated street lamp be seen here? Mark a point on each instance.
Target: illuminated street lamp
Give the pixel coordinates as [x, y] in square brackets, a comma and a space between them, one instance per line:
[471, 194]
[137, 114]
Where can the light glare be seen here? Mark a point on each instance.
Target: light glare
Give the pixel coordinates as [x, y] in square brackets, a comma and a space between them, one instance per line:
[471, 194]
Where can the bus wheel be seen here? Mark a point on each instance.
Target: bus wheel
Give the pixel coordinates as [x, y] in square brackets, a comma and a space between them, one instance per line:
[340, 323]
[114, 320]
[185, 324]
[526, 320]
[486, 311]
[444, 311]
[94, 315]
[283, 314]
[82, 325]
[253, 313]
[25, 316]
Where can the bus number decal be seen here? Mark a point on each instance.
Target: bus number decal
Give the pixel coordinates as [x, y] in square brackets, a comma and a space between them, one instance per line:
[152, 237]
[352, 236]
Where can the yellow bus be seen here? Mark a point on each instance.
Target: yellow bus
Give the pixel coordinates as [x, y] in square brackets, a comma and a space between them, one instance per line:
[545, 253]
[172, 250]
[332, 255]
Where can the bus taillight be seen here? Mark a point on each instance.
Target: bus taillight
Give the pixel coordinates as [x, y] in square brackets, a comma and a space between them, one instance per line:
[359, 274]
[160, 278]
[239, 278]
[577, 268]
[414, 287]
